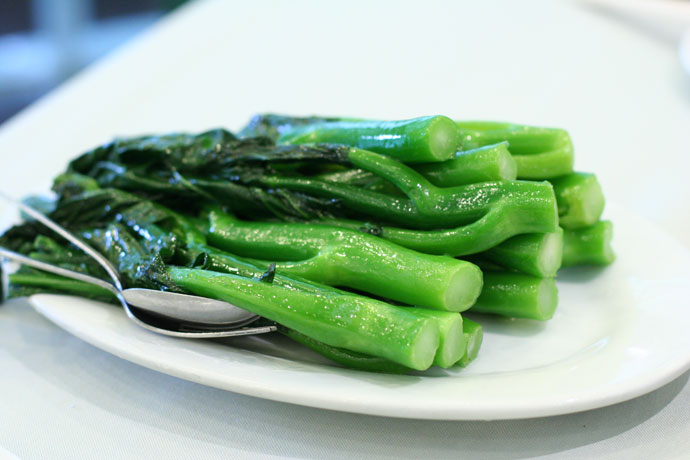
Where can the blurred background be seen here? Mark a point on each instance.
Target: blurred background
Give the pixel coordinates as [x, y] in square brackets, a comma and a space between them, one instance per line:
[615, 73]
[43, 42]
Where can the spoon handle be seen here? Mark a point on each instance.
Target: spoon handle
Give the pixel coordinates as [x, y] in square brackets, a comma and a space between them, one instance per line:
[187, 333]
[57, 270]
[116, 289]
[102, 261]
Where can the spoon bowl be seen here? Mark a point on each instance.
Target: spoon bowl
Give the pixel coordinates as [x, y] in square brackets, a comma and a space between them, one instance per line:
[188, 308]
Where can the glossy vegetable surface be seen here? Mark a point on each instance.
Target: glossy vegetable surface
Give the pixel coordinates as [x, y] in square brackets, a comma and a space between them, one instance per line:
[453, 344]
[353, 322]
[540, 153]
[474, 335]
[536, 254]
[588, 245]
[426, 206]
[411, 141]
[342, 257]
[490, 163]
[506, 218]
[517, 296]
[580, 199]
[483, 164]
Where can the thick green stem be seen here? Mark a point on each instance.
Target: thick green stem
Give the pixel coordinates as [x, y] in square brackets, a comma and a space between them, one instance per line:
[368, 202]
[353, 322]
[536, 254]
[412, 141]
[588, 245]
[474, 335]
[215, 259]
[342, 257]
[428, 206]
[517, 296]
[580, 199]
[466, 203]
[48, 282]
[540, 153]
[506, 219]
[483, 164]
[452, 343]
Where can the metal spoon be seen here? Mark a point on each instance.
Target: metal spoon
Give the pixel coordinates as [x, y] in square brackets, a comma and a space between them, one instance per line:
[168, 313]
[179, 322]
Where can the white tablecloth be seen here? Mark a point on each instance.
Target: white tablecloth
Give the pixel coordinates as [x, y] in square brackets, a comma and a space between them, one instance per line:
[617, 88]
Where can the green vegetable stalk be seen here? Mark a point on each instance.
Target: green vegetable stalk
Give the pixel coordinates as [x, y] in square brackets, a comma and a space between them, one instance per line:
[36, 281]
[452, 343]
[580, 199]
[353, 322]
[357, 260]
[507, 218]
[483, 164]
[589, 245]
[428, 207]
[256, 180]
[411, 141]
[540, 153]
[474, 334]
[518, 296]
[214, 259]
[536, 254]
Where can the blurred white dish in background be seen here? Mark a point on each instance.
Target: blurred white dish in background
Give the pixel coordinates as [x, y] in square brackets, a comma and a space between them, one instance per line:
[665, 18]
[684, 51]
[668, 19]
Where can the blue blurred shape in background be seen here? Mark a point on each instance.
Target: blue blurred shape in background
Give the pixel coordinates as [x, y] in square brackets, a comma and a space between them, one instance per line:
[44, 42]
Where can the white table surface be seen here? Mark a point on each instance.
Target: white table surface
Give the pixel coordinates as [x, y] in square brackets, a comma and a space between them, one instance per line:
[619, 90]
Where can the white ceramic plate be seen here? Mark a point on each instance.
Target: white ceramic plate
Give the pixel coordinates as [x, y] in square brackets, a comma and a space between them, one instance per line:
[618, 333]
